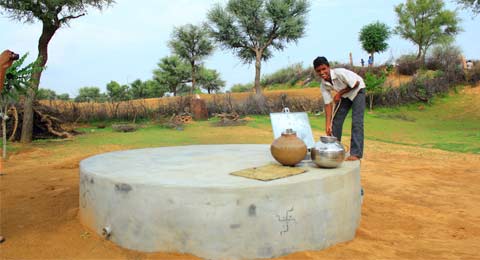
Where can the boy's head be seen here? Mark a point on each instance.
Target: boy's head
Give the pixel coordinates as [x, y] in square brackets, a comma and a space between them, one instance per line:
[322, 67]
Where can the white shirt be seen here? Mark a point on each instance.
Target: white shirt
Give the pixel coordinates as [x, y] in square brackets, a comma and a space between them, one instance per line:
[341, 78]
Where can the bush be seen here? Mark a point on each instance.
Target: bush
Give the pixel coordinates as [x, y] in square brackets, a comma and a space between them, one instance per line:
[444, 57]
[242, 88]
[407, 65]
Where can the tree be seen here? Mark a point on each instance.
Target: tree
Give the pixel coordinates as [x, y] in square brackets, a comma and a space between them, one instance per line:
[63, 96]
[53, 14]
[374, 36]
[210, 80]
[138, 89]
[88, 94]
[192, 44]
[253, 28]
[374, 85]
[173, 73]
[45, 93]
[154, 89]
[470, 4]
[426, 23]
[117, 92]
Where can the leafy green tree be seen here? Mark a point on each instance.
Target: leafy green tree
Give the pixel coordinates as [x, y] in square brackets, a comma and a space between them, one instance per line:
[138, 89]
[63, 96]
[210, 80]
[470, 4]
[88, 94]
[241, 88]
[53, 14]
[374, 36]
[374, 85]
[117, 92]
[192, 44]
[173, 73]
[45, 93]
[154, 89]
[253, 28]
[426, 23]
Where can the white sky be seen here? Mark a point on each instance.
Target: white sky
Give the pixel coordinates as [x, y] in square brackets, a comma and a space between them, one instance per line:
[126, 41]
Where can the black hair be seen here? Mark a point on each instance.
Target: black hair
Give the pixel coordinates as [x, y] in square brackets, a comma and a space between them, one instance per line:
[320, 61]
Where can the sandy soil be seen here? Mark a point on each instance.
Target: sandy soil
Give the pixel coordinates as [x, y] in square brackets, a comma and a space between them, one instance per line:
[419, 204]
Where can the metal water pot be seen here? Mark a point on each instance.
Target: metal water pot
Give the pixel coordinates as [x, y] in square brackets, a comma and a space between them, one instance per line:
[328, 152]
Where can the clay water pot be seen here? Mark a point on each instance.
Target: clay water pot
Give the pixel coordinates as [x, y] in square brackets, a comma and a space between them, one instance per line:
[328, 152]
[288, 149]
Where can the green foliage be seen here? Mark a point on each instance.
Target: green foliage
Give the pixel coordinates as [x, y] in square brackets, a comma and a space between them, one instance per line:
[374, 36]
[425, 23]
[210, 80]
[50, 11]
[63, 96]
[117, 92]
[444, 57]
[474, 5]
[88, 94]
[373, 82]
[374, 85]
[192, 44]
[18, 77]
[241, 88]
[173, 73]
[45, 93]
[252, 29]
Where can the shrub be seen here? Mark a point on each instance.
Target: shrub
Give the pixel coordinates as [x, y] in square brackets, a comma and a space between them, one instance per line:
[242, 88]
[407, 64]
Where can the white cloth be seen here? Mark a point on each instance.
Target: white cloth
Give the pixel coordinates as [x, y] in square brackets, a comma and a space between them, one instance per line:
[341, 78]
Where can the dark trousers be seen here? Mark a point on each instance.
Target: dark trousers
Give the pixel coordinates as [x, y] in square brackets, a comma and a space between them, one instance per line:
[358, 109]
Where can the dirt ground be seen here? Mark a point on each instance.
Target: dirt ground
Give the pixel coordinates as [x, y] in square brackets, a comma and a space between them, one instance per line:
[419, 204]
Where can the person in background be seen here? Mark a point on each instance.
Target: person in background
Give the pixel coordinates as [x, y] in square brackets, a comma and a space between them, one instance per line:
[350, 94]
[469, 64]
[370, 61]
[362, 62]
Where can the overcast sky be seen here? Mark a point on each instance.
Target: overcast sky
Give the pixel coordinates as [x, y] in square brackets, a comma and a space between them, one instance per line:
[126, 41]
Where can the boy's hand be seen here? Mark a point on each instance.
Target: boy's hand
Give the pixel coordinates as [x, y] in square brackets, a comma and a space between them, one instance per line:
[328, 131]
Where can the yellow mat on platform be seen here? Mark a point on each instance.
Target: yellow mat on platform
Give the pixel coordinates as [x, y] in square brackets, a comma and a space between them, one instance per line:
[269, 172]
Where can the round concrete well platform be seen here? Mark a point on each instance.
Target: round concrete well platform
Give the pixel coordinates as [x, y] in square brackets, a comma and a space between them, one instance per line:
[183, 199]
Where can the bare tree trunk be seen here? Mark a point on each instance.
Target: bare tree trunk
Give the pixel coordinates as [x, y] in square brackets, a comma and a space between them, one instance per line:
[193, 77]
[371, 102]
[419, 54]
[48, 31]
[258, 65]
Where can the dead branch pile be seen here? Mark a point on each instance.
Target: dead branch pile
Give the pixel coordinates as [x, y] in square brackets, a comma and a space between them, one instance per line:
[47, 123]
[229, 119]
